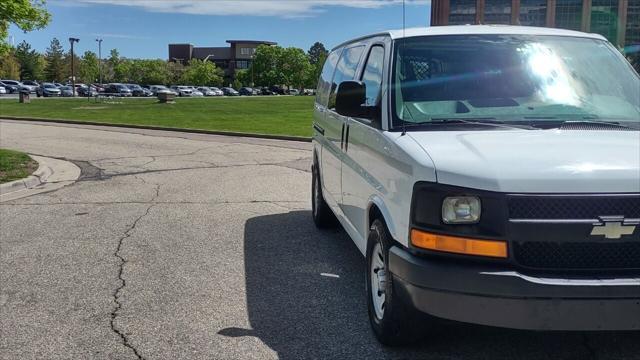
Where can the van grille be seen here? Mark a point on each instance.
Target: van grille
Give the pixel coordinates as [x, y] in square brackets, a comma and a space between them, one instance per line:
[569, 207]
[578, 255]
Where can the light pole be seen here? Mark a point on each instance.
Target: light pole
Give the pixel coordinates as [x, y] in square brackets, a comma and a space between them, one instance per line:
[73, 73]
[252, 57]
[99, 59]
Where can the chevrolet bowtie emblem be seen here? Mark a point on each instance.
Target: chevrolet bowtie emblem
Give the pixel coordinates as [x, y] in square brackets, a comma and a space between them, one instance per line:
[613, 227]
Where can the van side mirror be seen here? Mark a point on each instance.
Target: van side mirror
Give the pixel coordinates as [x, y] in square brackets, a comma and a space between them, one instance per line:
[350, 99]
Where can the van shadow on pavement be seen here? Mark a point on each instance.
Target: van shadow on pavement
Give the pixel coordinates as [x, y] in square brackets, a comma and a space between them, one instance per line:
[300, 313]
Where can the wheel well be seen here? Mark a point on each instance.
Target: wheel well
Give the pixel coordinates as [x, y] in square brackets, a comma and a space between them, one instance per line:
[375, 213]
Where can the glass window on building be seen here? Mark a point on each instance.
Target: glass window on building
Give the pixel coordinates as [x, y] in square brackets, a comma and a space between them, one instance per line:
[633, 23]
[247, 51]
[604, 19]
[242, 64]
[497, 12]
[569, 14]
[533, 12]
[462, 12]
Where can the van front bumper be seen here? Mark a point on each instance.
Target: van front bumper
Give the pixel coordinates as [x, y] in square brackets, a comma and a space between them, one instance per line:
[488, 295]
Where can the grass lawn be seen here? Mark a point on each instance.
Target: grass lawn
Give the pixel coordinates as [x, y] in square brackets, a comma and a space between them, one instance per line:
[15, 165]
[282, 115]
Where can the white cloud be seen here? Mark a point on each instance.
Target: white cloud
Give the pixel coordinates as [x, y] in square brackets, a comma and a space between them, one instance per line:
[279, 8]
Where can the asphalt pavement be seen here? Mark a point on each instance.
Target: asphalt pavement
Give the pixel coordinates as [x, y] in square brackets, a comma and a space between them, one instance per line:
[192, 246]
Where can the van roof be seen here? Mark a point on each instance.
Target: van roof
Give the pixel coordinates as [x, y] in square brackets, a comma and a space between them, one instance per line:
[476, 30]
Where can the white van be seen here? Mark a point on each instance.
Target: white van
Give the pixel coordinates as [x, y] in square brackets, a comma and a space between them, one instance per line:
[489, 174]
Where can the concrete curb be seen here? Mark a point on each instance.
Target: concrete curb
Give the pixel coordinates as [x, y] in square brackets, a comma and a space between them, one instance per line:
[51, 174]
[38, 177]
[163, 128]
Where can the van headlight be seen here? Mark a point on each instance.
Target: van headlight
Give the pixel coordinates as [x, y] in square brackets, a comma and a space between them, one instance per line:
[461, 210]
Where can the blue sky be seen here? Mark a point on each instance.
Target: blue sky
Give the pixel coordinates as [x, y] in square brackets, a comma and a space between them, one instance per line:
[143, 28]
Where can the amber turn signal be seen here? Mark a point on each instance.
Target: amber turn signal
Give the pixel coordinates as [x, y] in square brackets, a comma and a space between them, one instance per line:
[458, 245]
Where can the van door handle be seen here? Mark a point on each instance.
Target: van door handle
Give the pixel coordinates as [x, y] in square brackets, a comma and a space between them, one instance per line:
[342, 136]
[346, 139]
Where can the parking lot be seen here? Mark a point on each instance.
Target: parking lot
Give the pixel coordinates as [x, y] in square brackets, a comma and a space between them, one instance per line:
[187, 246]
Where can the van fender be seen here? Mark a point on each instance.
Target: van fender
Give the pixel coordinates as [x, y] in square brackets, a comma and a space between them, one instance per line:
[386, 215]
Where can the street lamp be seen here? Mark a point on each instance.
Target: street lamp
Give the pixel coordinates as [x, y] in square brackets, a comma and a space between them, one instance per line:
[73, 73]
[252, 58]
[99, 59]
[207, 57]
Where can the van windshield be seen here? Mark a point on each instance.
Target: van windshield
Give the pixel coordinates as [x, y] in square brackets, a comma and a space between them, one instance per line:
[512, 78]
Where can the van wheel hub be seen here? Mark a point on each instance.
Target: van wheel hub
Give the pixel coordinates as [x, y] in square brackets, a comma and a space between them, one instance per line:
[378, 281]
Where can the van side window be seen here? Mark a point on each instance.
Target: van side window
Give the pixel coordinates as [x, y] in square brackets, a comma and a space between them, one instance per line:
[372, 76]
[345, 70]
[324, 83]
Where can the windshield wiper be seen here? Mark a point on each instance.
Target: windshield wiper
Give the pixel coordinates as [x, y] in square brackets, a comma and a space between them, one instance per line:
[586, 121]
[486, 121]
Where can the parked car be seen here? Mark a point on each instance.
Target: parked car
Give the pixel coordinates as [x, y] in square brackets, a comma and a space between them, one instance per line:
[182, 90]
[494, 189]
[31, 85]
[12, 86]
[265, 91]
[66, 91]
[195, 91]
[227, 91]
[3, 90]
[161, 89]
[293, 92]
[99, 87]
[206, 91]
[47, 89]
[136, 90]
[58, 85]
[309, 92]
[277, 90]
[216, 91]
[118, 90]
[246, 91]
[87, 91]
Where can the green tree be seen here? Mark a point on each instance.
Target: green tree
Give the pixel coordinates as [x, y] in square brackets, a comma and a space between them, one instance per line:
[109, 66]
[203, 73]
[9, 66]
[317, 53]
[295, 67]
[122, 71]
[54, 56]
[27, 15]
[175, 71]
[149, 72]
[266, 66]
[88, 69]
[244, 77]
[314, 73]
[29, 60]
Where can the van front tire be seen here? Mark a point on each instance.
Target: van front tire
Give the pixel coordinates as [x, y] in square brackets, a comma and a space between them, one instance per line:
[393, 320]
[322, 215]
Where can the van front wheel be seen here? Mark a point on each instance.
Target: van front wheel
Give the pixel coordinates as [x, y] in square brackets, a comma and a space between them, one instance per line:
[322, 215]
[393, 320]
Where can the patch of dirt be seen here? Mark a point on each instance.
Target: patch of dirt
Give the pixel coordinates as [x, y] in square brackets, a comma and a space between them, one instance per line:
[90, 108]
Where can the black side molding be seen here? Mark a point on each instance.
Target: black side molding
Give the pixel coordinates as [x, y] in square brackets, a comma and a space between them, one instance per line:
[318, 128]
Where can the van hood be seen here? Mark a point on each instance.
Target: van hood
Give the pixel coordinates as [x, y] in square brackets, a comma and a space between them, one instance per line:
[536, 161]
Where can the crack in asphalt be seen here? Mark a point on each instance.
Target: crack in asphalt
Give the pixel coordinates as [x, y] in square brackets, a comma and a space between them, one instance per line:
[273, 202]
[123, 282]
[148, 171]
